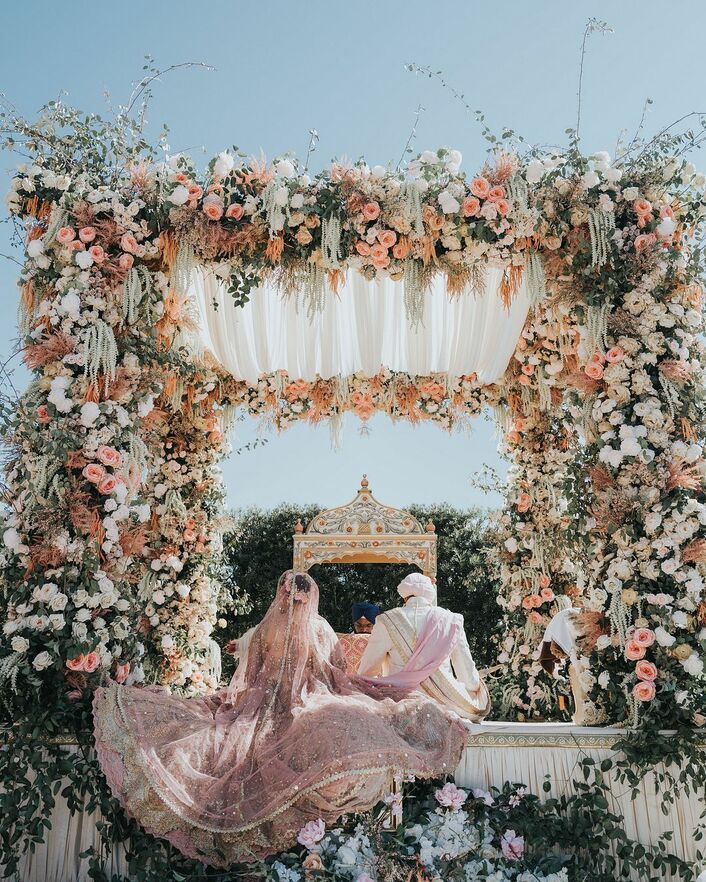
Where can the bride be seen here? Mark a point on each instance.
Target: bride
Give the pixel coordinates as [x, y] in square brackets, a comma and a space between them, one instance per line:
[293, 738]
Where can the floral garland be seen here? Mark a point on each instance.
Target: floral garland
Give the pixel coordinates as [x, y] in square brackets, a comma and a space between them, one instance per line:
[114, 530]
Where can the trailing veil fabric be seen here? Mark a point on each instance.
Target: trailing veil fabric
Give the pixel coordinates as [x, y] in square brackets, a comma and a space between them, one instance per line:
[361, 329]
[292, 739]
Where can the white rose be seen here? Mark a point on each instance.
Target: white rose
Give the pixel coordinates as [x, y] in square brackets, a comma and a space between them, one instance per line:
[297, 201]
[179, 195]
[604, 679]
[631, 193]
[603, 642]
[666, 227]
[89, 414]
[223, 165]
[613, 175]
[448, 204]
[663, 637]
[534, 171]
[35, 248]
[11, 539]
[511, 545]
[167, 642]
[284, 168]
[42, 661]
[20, 644]
[281, 196]
[693, 665]
[590, 179]
[428, 157]
[84, 259]
[378, 171]
[70, 305]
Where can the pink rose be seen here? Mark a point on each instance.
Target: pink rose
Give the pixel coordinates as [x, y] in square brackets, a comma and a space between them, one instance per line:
[642, 207]
[362, 248]
[535, 617]
[503, 207]
[109, 456]
[126, 261]
[524, 502]
[387, 238]
[480, 187]
[470, 206]
[75, 664]
[371, 211]
[644, 240]
[121, 672]
[593, 370]
[512, 845]
[93, 472]
[645, 670]
[107, 484]
[666, 211]
[65, 235]
[378, 252]
[195, 192]
[644, 690]
[87, 234]
[643, 636]
[496, 193]
[43, 414]
[213, 208]
[451, 796]
[91, 662]
[401, 249]
[634, 651]
[546, 594]
[544, 581]
[128, 243]
[97, 253]
[311, 834]
[234, 211]
[614, 355]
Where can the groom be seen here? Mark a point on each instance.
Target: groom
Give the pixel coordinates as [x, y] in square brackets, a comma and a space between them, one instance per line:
[454, 682]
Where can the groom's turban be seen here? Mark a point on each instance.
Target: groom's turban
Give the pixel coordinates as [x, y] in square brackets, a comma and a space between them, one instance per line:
[417, 585]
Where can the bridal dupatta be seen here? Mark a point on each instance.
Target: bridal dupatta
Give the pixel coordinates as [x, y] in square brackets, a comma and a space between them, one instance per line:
[293, 738]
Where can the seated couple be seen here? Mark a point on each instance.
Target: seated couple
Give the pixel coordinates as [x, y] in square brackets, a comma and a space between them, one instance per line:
[292, 738]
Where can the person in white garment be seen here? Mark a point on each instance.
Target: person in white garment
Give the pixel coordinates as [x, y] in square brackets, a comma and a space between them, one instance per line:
[559, 644]
[456, 684]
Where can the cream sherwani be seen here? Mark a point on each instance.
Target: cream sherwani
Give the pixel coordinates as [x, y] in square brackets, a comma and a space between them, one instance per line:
[456, 684]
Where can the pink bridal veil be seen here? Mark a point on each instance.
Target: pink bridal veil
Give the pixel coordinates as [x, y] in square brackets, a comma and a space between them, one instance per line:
[293, 738]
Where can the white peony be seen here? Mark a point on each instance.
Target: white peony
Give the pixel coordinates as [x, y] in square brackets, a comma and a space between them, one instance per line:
[693, 665]
[42, 661]
[20, 644]
[590, 179]
[84, 259]
[167, 642]
[285, 168]
[534, 171]
[11, 539]
[35, 248]
[297, 201]
[429, 157]
[666, 227]
[179, 195]
[664, 638]
[89, 414]
[70, 305]
[223, 165]
[281, 197]
[449, 205]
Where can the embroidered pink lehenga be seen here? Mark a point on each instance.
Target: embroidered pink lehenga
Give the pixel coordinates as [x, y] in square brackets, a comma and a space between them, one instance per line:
[292, 738]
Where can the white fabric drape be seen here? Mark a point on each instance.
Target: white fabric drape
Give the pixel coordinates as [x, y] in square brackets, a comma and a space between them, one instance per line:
[528, 752]
[361, 329]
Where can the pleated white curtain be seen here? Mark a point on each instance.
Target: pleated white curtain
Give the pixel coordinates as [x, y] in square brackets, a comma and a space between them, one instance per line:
[361, 329]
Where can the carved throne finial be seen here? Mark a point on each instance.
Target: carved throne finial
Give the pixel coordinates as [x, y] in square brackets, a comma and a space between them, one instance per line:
[299, 527]
[364, 483]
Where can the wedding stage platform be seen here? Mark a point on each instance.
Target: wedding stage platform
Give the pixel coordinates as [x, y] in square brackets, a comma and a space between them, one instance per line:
[497, 751]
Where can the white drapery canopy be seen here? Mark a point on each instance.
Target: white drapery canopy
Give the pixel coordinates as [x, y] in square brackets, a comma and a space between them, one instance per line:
[361, 328]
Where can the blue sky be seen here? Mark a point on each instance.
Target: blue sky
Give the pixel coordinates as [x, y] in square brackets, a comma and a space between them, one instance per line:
[283, 68]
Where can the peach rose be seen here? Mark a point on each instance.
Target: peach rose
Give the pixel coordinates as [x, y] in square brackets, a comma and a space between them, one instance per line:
[401, 249]
[381, 262]
[643, 636]
[189, 535]
[195, 192]
[43, 414]
[513, 437]
[496, 193]
[594, 370]
[503, 207]
[642, 206]
[371, 211]
[614, 355]
[387, 238]
[644, 240]
[66, 235]
[546, 594]
[470, 206]
[107, 484]
[666, 211]
[480, 187]
[312, 863]
[181, 178]
[76, 245]
[109, 456]
[535, 617]
[213, 209]
[644, 690]
[544, 581]
[93, 472]
[528, 369]
[303, 236]
[645, 670]
[87, 234]
[362, 248]
[378, 252]
[128, 243]
[121, 672]
[634, 651]
[75, 664]
[91, 662]
[523, 503]
[235, 211]
[97, 253]
[126, 261]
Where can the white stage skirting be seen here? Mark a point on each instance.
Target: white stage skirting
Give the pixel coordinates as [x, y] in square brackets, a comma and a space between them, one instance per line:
[523, 753]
